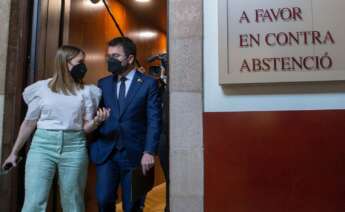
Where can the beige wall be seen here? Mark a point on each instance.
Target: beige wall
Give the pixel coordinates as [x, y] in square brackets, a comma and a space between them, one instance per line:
[4, 23]
[186, 128]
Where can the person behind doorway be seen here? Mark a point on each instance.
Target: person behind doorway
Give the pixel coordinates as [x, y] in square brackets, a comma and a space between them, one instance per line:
[129, 138]
[163, 149]
[61, 109]
[160, 74]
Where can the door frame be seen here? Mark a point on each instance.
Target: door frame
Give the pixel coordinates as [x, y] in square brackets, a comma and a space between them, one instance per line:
[185, 45]
[11, 186]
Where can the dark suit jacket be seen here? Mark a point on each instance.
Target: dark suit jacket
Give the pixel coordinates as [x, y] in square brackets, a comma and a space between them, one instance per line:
[138, 125]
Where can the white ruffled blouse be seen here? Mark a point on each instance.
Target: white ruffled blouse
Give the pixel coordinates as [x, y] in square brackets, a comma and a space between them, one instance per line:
[57, 111]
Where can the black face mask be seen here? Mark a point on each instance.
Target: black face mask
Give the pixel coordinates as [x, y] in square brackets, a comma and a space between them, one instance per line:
[78, 72]
[115, 66]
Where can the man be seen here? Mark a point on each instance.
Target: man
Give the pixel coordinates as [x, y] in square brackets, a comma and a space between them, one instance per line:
[129, 137]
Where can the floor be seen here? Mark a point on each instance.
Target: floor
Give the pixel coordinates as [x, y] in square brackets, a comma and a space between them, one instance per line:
[155, 200]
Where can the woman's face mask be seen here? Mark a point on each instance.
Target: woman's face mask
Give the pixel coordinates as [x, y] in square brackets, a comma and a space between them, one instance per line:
[78, 72]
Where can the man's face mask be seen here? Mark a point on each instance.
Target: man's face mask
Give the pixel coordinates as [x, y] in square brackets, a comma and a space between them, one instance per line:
[78, 72]
[115, 66]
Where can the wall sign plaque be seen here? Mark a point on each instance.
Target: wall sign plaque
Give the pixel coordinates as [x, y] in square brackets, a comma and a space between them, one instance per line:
[268, 41]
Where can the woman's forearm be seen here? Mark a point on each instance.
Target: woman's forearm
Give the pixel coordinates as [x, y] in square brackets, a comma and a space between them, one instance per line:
[26, 128]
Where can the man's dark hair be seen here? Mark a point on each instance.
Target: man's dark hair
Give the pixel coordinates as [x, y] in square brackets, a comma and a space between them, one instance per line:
[127, 44]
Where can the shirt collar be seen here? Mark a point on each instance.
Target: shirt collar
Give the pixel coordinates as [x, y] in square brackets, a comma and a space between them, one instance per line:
[129, 76]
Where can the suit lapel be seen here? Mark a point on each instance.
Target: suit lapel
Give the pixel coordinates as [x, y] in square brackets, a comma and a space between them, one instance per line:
[114, 95]
[135, 85]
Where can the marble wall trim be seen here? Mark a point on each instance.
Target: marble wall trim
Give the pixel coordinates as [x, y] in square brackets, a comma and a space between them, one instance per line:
[186, 105]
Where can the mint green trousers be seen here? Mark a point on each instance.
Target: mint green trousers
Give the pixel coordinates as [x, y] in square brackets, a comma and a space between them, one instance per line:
[62, 153]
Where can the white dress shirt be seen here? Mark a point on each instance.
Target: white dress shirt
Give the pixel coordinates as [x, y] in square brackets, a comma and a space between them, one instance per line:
[57, 111]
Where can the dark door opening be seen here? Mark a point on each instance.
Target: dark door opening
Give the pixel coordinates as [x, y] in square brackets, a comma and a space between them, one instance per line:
[87, 24]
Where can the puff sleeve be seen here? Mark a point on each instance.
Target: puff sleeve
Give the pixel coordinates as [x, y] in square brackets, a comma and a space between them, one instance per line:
[92, 97]
[32, 98]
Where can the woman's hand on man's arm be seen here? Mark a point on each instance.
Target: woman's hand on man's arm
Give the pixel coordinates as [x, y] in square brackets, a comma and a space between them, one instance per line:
[101, 115]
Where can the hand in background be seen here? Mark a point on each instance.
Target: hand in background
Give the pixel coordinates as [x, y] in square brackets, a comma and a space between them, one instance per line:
[142, 69]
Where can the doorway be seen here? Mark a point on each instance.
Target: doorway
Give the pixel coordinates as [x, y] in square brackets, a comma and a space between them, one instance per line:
[91, 27]
[87, 24]
[185, 87]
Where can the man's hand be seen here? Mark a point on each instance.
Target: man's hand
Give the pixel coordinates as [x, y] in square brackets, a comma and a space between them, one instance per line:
[147, 162]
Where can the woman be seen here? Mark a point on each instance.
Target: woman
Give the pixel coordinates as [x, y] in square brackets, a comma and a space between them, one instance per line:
[62, 109]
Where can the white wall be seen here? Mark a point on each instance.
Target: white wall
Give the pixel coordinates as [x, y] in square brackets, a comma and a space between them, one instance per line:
[273, 97]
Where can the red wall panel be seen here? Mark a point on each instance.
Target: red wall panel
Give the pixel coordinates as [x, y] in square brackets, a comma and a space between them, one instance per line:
[275, 161]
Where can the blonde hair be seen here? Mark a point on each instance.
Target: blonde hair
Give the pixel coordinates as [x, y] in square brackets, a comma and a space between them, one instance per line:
[62, 80]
